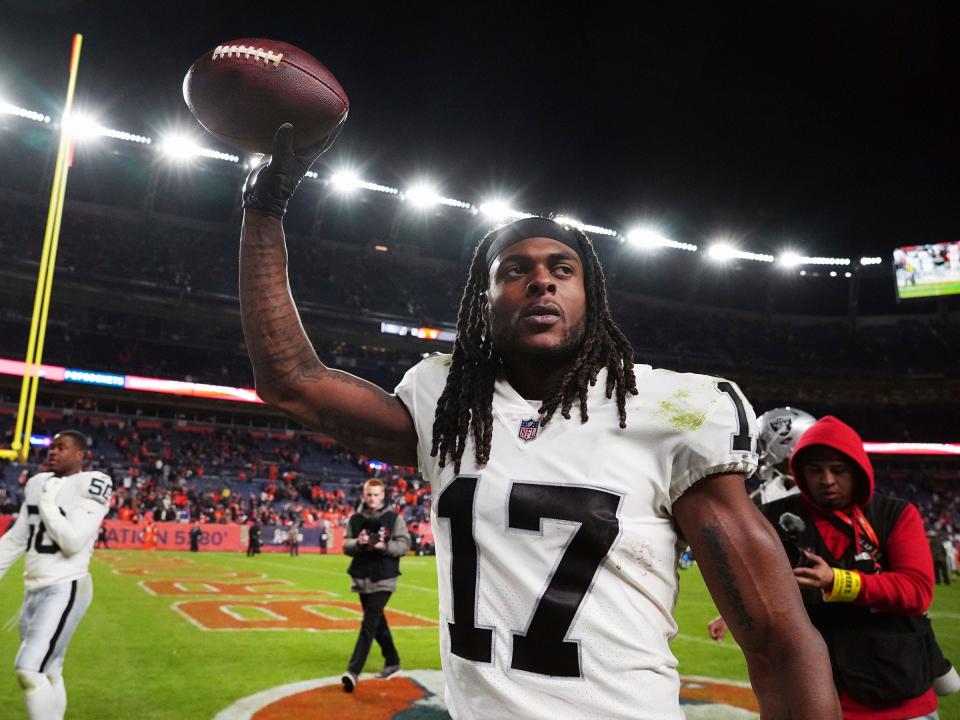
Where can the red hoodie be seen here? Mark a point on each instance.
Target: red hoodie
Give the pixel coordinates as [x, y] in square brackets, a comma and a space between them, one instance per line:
[905, 587]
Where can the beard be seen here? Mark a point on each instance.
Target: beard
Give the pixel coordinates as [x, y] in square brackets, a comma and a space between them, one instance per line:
[507, 344]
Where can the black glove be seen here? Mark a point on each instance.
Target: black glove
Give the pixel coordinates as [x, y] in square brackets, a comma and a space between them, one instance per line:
[270, 186]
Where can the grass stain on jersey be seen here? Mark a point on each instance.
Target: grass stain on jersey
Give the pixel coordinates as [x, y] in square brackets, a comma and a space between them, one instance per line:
[680, 415]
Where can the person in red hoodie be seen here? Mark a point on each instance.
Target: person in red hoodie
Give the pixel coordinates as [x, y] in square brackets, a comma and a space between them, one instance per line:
[866, 575]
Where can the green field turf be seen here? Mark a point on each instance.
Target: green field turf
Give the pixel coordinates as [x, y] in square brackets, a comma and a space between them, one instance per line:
[134, 657]
[929, 290]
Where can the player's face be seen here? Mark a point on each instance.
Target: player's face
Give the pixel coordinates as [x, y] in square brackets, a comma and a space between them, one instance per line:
[373, 497]
[536, 300]
[65, 456]
[830, 477]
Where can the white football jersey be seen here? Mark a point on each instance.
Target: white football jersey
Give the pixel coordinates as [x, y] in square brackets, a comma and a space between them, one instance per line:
[57, 549]
[557, 560]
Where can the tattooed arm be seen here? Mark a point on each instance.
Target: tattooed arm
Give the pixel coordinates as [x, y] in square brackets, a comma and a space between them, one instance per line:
[748, 575]
[288, 373]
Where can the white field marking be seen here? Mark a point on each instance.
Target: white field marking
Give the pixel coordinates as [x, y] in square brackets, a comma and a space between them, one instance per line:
[176, 607]
[145, 588]
[946, 615]
[723, 681]
[236, 616]
[706, 641]
[315, 610]
[402, 586]
[244, 708]
[182, 587]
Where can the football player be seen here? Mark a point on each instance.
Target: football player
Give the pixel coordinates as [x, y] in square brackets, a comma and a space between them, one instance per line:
[780, 429]
[563, 478]
[56, 529]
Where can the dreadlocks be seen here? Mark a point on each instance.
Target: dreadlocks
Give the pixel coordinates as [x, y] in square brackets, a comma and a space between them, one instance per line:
[466, 403]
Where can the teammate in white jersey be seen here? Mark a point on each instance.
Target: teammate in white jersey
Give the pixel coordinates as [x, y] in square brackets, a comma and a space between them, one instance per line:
[55, 529]
[557, 536]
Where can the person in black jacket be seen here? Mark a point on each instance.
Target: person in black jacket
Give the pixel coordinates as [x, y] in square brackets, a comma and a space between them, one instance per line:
[253, 539]
[196, 533]
[376, 538]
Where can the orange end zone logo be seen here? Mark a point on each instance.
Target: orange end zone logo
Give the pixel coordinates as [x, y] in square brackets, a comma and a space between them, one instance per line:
[419, 694]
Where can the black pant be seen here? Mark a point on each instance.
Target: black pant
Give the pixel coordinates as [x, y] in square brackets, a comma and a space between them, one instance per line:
[941, 570]
[373, 627]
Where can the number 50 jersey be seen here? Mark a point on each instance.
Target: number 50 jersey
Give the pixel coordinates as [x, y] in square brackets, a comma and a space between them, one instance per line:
[83, 500]
[557, 560]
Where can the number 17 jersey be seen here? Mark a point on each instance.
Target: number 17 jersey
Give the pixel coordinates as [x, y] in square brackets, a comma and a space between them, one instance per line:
[557, 559]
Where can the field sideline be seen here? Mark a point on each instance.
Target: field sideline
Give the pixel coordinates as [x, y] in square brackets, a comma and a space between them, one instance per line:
[137, 657]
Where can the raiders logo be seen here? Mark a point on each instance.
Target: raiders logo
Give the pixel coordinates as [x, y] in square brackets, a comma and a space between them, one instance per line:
[782, 425]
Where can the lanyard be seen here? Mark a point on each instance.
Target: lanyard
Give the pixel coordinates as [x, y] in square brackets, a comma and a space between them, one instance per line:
[859, 521]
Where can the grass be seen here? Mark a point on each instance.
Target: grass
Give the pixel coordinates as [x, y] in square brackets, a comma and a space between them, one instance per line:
[135, 657]
[929, 290]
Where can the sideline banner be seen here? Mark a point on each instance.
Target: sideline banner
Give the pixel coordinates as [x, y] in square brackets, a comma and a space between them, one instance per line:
[225, 538]
[175, 536]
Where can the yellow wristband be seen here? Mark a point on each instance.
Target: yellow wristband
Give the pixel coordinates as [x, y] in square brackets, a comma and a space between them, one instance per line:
[846, 586]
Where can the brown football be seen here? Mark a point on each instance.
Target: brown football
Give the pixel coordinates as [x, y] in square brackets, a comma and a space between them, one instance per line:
[243, 90]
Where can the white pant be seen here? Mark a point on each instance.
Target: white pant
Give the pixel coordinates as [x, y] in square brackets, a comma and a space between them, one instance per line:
[48, 620]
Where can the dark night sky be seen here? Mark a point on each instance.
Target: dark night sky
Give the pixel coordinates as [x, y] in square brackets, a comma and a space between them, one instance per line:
[831, 129]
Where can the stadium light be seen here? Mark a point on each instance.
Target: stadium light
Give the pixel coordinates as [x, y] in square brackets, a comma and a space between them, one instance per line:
[790, 259]
[81, 126]
[345, 182]
[183, 148]
[848, 274]
[179, 148]
[833, 273]
[11, 109]
[722, 251]
[253, 161]
[422, 195]
[870, 260]
[499, 210]
[648, 238]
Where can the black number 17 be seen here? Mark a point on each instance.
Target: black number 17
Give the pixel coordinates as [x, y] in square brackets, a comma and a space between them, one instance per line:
[543, 648]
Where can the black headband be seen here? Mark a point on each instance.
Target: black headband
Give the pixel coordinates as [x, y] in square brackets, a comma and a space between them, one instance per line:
[532, 227]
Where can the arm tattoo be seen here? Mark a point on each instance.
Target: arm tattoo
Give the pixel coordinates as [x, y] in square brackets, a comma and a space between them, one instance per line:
[713, 540]
[276, 341]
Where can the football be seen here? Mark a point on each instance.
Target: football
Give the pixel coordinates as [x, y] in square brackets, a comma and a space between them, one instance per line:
[243, 90]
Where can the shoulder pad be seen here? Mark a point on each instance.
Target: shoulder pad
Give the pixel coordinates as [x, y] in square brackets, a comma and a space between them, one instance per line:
[97, 486]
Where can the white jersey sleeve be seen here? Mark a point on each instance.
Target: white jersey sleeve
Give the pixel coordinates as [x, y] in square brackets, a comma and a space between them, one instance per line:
[74, 529]
[419, 390]
[14, 542]
[717, 430]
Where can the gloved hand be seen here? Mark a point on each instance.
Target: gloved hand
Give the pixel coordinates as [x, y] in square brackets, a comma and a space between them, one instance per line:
[270, 185]
[51, 488]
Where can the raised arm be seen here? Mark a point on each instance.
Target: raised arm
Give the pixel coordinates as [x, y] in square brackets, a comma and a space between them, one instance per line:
[288, 373]
[747, 573]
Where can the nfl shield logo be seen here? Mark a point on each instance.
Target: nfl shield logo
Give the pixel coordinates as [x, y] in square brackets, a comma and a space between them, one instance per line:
[528, 429]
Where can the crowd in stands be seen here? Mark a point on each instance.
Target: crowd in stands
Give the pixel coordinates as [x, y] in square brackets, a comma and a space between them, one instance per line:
[223, 475]
[208, 347]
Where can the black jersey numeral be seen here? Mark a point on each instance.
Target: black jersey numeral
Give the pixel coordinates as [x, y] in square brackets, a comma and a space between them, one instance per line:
[543, 647]
[36, 537]
[741, 439]
[466, 639]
